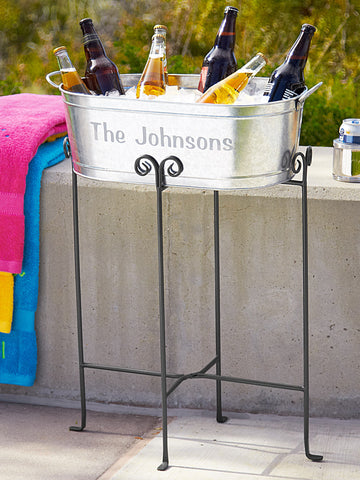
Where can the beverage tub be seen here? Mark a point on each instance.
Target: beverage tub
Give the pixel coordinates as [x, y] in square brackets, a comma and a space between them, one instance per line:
[220, 146]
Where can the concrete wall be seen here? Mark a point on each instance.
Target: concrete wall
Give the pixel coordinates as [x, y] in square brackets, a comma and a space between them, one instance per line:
[261, 283]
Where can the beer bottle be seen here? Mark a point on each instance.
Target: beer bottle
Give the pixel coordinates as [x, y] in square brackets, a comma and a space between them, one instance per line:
[162, 30]
[70, 77]
[228, 89]
[287, 80]
[101, 74]
[220, 61]
[152, 80]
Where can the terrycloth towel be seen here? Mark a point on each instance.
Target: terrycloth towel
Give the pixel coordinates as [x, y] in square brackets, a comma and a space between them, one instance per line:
[6, 301]
[18, 350]
[26, 121]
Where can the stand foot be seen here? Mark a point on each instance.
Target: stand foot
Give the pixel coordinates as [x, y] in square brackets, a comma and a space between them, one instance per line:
[163, 466]
[76, 429]
[314, 458]
[222, 419]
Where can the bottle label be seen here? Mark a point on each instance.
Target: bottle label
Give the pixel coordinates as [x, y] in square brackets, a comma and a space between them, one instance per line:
[349, 139]
[286, 95]
[90, 37]
[203, 75]
[268, 89]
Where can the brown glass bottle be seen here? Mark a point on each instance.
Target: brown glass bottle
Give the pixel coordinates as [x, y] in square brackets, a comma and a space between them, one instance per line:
[220, 61]
[70, 77]
[101, 74]
[288, 80]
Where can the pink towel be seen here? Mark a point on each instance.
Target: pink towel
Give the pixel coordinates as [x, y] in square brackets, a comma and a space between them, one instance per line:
[26, 121]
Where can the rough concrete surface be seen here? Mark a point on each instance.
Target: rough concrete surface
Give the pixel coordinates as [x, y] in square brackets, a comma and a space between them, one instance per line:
[36, 444]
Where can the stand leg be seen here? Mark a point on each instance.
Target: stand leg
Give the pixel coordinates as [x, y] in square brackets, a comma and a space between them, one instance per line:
[306, 163]
[143, 166]
[165, 461]
[219, 416]
[78, 305]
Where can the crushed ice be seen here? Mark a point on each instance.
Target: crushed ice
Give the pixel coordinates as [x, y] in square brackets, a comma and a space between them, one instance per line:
[251, 95]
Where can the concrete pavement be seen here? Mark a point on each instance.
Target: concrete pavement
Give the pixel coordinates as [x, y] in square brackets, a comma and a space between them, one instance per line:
[250, 447]
[36, 444]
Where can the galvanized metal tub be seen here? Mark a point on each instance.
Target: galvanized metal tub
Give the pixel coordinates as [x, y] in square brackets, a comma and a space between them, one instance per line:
[220, 146]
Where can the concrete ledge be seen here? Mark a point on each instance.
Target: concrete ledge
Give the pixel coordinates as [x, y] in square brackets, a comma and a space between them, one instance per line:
[261, 292]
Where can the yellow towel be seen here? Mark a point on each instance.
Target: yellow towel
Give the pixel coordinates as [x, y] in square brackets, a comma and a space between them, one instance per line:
[52, 138]
[6, 301]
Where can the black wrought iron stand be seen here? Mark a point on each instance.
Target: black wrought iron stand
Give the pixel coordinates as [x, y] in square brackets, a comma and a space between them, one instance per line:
[173, 167]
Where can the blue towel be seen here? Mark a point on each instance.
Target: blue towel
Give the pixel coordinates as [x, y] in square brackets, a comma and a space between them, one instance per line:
[18, 349]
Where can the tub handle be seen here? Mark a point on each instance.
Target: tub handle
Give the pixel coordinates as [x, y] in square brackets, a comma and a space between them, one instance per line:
[307, 93]
[52, 74]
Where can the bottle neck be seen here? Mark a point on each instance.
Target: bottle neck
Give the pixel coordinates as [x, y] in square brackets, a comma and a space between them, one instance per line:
[225, 37]
[239, 79]
[64, 60]
[92, 44]
[160, 31]
[299, 52]
[253, 66]
[157, 47]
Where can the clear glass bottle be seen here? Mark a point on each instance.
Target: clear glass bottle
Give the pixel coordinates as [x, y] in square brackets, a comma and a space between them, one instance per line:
[70, 78]
[152, 80]
[220, 61]
[227, 90]
[101, 74]
[288, 80]
[162, 30]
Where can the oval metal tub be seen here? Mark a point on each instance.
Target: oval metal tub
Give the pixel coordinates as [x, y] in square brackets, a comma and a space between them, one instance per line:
[220, 146]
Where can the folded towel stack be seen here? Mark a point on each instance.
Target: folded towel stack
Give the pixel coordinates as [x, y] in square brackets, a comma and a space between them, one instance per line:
[26, 122]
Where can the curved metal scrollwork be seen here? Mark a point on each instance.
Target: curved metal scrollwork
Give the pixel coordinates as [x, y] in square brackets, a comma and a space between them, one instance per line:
[146, 163]
[66, 147]
[305, 161]
[143, 167]
[173, 172]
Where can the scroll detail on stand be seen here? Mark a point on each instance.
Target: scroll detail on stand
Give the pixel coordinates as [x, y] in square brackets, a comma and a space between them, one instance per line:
[304, 163]
[145, 163]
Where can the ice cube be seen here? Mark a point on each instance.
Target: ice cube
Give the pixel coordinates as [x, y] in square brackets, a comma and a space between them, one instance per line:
[131, 92]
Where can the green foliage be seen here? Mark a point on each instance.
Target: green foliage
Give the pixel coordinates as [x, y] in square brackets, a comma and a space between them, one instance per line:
[325, 110]
[9, 86]
[31, 29]
[184, 63]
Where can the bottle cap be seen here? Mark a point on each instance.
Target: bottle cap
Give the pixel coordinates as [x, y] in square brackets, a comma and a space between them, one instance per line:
[163, 27]
[85, 20]
[59, 49]
[309, 28]
[263, 56]
[231, 9]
